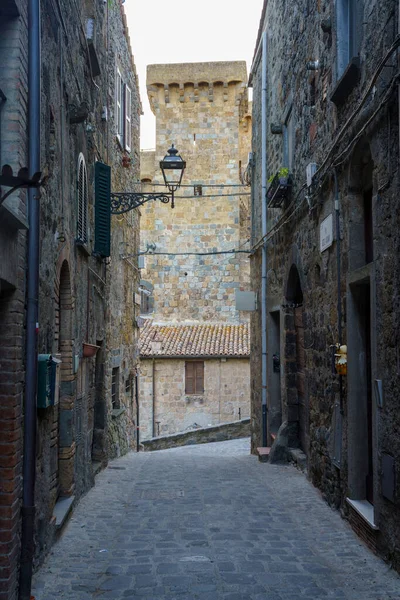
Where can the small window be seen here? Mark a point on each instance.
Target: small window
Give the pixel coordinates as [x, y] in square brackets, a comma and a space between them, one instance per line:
[194, 377]
[128, 119]
[198, 190]
[82, 221]
[349, 20]
[128, 384]
[146, 304]
[115, 388]
[119, 107]
[288, 140]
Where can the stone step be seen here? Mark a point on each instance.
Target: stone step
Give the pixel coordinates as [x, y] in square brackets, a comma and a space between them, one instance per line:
[263, 453]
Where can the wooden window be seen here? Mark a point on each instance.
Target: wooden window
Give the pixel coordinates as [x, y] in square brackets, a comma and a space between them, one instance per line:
[128, 119]
[119, 106]
[194, 377]
[115, 388]
[82, 185]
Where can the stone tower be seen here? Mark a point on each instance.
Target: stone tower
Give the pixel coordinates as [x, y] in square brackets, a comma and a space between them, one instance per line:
[203, 109]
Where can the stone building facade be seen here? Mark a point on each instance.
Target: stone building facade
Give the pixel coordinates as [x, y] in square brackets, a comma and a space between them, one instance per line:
[88, 301]
[169, 402]
[332, 241]
[189, 274]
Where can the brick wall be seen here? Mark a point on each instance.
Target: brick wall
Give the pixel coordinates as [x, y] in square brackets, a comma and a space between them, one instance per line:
[13, 83]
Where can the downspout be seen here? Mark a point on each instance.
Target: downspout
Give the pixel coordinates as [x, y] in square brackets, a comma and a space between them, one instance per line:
[264, 233]
[137, 412]
[339, 276]
[29, 456]
[153, 398]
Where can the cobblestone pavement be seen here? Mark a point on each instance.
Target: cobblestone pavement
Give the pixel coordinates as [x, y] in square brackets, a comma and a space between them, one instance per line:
[209, 522]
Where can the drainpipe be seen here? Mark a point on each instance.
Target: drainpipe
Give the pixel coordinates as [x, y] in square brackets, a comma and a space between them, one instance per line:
[29, 457]
[153, 397]
[339, 297]
[137, 412]
[264, 233]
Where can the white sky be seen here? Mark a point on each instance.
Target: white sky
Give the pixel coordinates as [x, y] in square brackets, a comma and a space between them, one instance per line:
[162, 31]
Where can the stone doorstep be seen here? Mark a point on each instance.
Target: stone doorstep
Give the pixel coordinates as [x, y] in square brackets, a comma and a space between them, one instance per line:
[96, 467]
[298, 457]
[365, 510]
[263, 453]
[62, 509]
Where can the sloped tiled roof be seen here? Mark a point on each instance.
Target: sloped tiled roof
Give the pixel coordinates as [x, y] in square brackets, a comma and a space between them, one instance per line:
[201, 339]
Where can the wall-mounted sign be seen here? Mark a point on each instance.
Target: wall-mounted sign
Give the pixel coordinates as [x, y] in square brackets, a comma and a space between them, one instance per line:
[326, 233]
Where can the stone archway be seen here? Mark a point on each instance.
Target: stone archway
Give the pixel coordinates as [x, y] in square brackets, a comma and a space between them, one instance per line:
[295, 359]
[65, 346]
[361, 327]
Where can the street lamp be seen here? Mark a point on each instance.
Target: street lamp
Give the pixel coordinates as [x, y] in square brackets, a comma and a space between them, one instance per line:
[172, 167]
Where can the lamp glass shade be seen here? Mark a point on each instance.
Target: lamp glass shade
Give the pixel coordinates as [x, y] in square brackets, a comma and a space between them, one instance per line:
[172, 167]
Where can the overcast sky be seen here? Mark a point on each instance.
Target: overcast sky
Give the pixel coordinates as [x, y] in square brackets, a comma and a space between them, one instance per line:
[162, 31]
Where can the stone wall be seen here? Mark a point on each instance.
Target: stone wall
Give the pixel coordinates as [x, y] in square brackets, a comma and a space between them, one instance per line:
[203, 109]
[225, 393]
[205, 435]
[84, 298]
[303, 280]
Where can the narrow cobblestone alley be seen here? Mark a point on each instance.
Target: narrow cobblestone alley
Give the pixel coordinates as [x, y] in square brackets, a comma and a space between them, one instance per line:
[209, 522]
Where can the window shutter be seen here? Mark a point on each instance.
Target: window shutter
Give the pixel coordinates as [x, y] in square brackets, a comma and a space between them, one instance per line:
[128, 119]
[82, 192]
[102, 182]
[199, 384]
[118, 108]
[189, 378]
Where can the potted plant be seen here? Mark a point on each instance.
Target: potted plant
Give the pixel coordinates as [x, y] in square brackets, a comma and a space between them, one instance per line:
[279, 187]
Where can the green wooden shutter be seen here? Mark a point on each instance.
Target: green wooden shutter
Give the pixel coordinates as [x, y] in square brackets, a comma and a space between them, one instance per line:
[102, 186]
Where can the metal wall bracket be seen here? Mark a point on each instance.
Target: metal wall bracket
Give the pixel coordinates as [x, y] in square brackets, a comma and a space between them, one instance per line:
[122, 202]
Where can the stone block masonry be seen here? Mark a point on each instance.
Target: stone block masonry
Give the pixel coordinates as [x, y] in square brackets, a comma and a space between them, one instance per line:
[203, 109]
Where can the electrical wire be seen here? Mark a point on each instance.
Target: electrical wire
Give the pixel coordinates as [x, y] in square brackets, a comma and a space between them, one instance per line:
[203, 185]
[342, 156]
[212, 196]
[278, 225]
[351, 118]
[214, 253]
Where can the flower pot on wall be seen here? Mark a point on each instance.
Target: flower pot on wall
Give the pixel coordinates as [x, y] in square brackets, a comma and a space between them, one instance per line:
[89, 350]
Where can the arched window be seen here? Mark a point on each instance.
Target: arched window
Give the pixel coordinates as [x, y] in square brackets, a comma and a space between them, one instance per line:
[82, 217]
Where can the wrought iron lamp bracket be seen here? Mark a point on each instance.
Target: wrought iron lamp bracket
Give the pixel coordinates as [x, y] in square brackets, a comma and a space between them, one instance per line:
[122, 202]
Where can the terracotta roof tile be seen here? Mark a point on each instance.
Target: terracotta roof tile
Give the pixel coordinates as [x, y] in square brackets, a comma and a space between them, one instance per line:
[202, 339]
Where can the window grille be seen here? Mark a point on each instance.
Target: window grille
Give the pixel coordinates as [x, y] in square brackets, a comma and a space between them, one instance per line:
[82, 223]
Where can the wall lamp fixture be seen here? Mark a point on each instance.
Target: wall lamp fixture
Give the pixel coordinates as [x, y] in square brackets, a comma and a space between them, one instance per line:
[172, 167]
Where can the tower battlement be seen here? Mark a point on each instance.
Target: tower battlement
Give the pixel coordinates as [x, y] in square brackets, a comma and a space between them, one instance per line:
[196, 82]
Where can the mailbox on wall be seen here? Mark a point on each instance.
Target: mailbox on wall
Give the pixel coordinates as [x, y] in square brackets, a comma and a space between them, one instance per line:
[48, 380]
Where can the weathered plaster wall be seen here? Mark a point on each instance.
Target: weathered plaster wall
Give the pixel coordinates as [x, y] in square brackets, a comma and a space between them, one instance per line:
[225, 392]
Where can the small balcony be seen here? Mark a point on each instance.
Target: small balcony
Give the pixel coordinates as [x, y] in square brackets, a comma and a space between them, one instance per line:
[280, 188]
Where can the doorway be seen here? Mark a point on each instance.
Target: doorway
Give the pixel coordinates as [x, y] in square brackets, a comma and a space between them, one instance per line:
[361, 406]
[274, 375]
